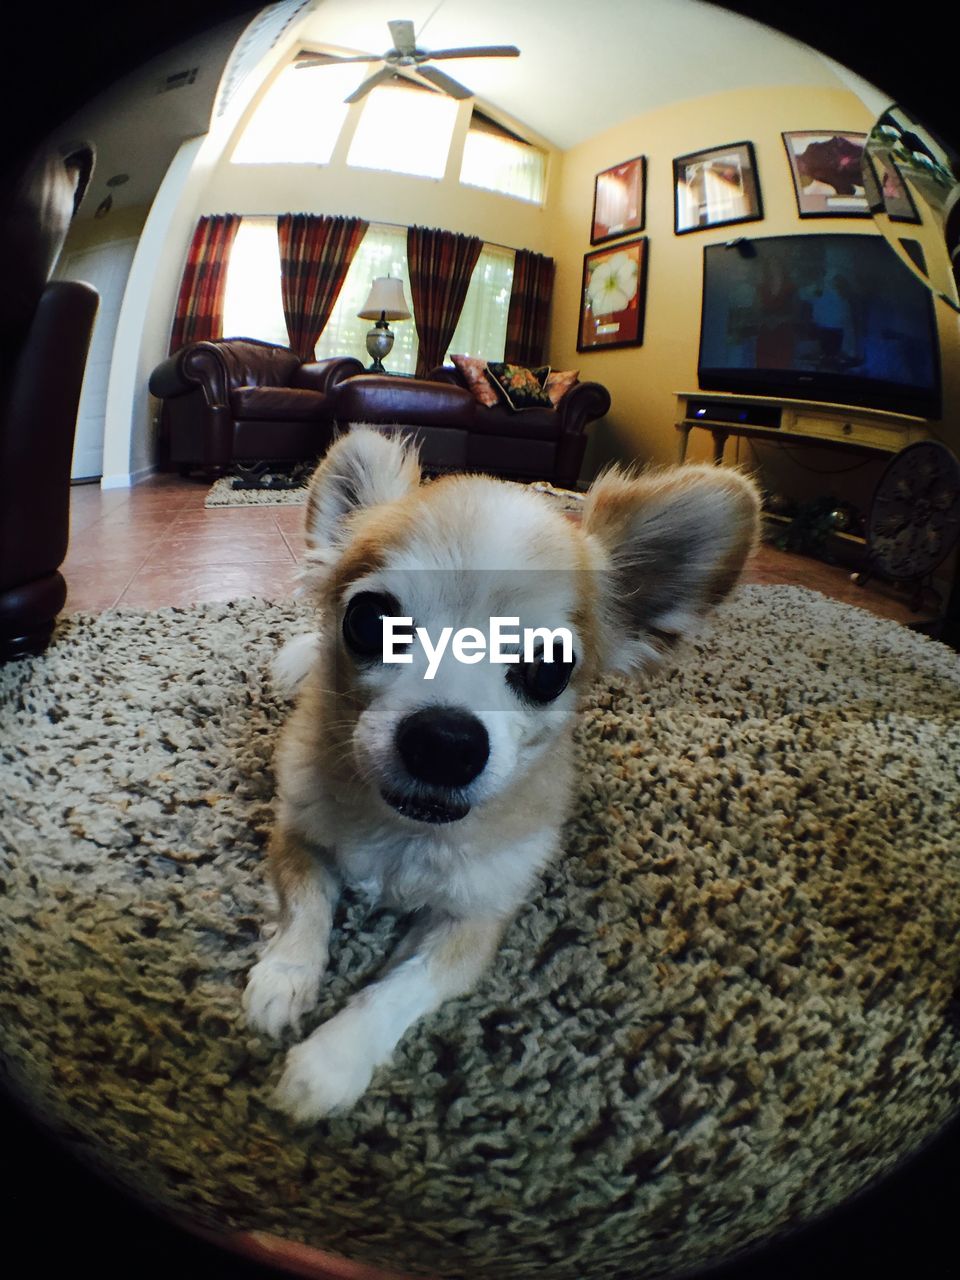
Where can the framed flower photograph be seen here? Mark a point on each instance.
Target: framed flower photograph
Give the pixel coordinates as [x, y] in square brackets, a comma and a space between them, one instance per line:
[612, 297]
[893, 194]
[714, 187]
[827, 177]
[619, 197]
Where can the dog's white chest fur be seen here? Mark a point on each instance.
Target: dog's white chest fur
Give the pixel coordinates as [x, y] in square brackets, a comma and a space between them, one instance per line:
[483, 865]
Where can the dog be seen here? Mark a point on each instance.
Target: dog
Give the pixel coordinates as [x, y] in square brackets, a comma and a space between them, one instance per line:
[440, 786]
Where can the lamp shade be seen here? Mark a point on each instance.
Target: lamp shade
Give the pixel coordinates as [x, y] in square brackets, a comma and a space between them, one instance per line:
[386, 299]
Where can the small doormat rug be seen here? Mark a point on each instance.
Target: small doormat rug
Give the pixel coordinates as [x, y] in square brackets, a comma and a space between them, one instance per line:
[223, 494]
[731, 1003]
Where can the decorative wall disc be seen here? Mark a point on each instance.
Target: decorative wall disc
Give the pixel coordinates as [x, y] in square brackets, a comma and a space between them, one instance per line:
[915, 518]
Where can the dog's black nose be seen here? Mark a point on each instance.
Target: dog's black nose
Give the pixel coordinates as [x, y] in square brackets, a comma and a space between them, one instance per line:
[444, 746]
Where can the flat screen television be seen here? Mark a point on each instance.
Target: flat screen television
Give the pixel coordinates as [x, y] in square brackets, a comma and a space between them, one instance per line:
[827, 317]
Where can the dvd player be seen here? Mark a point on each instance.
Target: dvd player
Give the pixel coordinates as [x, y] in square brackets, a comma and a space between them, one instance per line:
[741, 412]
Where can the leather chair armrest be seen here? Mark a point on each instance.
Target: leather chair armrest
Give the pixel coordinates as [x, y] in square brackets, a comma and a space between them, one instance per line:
[199, 364]
[583, 403]
[167, 381]
[39, 424]
[321, 375]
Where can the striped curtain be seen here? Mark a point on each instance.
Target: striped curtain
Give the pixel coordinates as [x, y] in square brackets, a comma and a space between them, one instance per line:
[529, 308]
[315, 255]
[440, 264]
[199, 314]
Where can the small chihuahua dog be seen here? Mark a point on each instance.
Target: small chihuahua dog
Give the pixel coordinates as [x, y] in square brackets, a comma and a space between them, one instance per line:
[440, 785]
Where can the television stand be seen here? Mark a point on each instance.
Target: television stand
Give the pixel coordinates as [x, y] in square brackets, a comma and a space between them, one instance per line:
[794, 422]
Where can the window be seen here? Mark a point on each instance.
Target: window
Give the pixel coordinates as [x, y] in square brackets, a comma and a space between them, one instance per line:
[482, 327]
[498, 160]
[382, 252]
[404, 129]
[300, 117]
[252, 305]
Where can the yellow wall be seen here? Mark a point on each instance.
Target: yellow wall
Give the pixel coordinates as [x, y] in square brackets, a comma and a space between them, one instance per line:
[643, 380]
[119, 224]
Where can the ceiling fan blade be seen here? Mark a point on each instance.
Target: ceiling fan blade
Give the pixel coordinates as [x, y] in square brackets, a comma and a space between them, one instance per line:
[447, 83]
[404, 40]
[483, 51]
[309, 59]
[371, 82]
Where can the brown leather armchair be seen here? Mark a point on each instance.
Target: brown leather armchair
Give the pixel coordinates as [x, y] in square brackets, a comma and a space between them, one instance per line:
[45, 333]
[243, 400]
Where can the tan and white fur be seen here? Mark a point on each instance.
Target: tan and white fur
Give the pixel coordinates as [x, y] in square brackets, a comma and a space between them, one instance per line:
[650, 555]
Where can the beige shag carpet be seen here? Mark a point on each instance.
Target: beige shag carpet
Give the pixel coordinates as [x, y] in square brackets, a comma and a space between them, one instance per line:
[732, 1003]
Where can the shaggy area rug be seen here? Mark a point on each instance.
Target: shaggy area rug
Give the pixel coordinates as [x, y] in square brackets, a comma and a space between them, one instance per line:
[731, 1003]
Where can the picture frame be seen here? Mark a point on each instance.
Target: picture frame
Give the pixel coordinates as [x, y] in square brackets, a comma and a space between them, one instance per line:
[892, 195]
[613, 296]
[827, 177]
[619, 200]
[715, 187]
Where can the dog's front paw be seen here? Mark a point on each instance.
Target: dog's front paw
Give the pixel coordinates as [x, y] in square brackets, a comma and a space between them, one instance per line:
[327, 1072]
[279, 992]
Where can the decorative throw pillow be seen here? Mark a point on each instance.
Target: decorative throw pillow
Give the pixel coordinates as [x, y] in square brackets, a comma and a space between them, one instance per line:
[520, 387]
[474, 373]
[559, 382]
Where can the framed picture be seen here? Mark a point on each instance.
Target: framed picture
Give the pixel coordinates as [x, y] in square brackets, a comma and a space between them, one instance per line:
[619, 197]
[612, 297]
[712, 188]
[892, 193]
[826, 173]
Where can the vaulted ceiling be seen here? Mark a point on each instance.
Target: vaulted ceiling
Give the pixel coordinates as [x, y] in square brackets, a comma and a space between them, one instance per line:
[583, 67]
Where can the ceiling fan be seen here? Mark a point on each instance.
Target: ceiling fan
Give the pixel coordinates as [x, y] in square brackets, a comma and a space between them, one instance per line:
[406, 55]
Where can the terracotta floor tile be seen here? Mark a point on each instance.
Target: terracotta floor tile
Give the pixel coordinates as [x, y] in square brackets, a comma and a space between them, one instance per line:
[295, 542]
[95, 590]
[217, 548]
[193, 492]
[81, 519]
[100, 549]
[155, 586]
[149, 515]
[226, 518]
[157, 545]
[291, 517]
[144, 499]
[184, 527]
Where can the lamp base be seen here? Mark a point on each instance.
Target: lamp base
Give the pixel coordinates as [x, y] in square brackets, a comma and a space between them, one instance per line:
[379, 345]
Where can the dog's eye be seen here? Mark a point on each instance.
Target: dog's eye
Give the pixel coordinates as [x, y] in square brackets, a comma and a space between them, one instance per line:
[542, 681]
[363, 622]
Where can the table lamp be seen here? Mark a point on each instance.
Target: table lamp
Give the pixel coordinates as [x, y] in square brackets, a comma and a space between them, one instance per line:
[386, 302]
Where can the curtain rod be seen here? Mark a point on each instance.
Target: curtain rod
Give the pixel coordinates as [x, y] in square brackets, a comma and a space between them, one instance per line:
[495, 244]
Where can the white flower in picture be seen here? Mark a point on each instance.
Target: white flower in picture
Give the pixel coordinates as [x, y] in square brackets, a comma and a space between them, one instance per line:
[612, 284]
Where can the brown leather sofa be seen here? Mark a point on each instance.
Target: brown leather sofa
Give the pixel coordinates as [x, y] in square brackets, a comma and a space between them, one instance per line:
[45, 333]
[242, 400]
[456, 432]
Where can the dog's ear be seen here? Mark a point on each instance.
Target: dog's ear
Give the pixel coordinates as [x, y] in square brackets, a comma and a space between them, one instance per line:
[674, 543]
[363, 468]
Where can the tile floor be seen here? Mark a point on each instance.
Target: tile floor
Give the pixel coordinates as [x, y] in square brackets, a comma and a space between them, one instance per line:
[157, 545]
